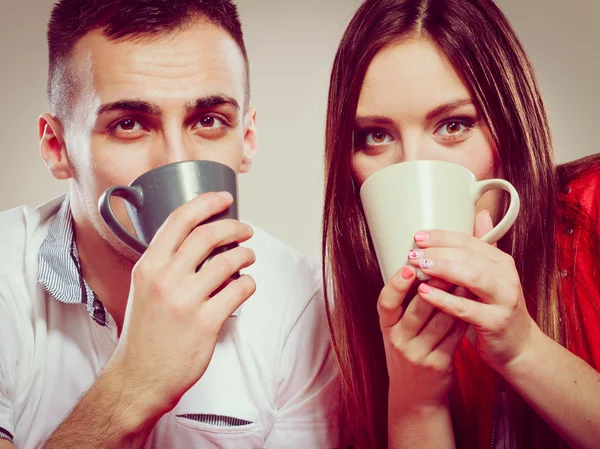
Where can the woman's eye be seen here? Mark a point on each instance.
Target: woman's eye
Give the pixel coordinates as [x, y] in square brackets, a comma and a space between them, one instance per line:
[453, 127]
[209, 121]
[377, 137]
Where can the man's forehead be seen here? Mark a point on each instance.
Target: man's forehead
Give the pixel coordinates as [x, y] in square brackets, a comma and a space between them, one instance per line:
[195, 61]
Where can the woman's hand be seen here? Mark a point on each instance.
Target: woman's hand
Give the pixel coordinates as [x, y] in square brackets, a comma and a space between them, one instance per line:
[419, 339]
[498, 314]
[419, 344]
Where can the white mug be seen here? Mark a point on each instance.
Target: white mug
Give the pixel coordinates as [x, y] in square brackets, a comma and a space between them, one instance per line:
[402, 199]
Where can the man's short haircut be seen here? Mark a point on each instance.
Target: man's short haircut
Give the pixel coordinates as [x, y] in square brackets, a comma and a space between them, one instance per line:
[71, 20]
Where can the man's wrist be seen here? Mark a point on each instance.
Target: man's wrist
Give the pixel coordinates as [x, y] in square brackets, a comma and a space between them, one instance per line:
[135, 406]
[112, 415]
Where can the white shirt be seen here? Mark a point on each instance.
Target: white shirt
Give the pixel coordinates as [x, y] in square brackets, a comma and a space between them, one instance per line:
[271, 382]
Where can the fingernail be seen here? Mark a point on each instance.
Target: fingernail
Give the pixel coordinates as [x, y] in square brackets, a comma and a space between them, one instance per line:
[415, 254]
[421, 236]
[407, 273]
[426, 263]
[424, 288]
[225, 195]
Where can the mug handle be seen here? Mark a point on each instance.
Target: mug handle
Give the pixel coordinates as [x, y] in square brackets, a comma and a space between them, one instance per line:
[480, 187]
[135, 197]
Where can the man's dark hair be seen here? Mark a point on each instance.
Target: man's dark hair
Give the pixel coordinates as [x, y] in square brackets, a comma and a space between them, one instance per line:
[71, 20]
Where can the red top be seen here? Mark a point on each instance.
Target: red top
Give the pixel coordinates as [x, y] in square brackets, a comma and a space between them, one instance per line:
[580, 269]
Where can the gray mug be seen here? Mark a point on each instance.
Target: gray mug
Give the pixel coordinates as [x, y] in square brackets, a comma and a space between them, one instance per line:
[153, 196]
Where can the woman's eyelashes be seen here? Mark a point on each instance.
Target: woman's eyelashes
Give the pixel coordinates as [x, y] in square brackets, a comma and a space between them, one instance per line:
[454, 129]
[448, 131]
[367, 138]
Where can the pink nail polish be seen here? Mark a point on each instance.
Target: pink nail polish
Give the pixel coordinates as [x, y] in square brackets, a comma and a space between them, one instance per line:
[407, 273]
[426, 263]
[424, 288]
[415, 254]
[421, 236]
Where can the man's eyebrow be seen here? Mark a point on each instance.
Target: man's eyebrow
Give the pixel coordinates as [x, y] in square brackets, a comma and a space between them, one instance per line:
[130, 105]
[210, 102]
[442, 109]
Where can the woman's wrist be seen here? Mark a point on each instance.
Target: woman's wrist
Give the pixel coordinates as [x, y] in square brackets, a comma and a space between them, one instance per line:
[529, 358]
[402, 407]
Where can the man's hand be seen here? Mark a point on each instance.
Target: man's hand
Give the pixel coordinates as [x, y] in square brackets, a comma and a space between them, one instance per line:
[170, 329]
[172, 320]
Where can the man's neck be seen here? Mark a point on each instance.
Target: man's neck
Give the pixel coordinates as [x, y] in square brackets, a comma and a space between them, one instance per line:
[105, 271]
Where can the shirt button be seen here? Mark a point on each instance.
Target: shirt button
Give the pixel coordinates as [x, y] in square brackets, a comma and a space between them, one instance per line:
[570, 231]
[563, 273]
[567, 190]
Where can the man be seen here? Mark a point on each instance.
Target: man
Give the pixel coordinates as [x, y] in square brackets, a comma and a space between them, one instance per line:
[102, 349]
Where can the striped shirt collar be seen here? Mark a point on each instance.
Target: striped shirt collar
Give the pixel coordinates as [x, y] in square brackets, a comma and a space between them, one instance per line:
[59, 271]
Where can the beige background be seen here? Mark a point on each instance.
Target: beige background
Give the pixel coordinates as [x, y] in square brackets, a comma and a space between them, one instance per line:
[291, 45]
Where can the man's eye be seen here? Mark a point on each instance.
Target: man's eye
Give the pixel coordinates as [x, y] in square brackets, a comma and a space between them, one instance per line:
[209, 121]
[129, 125]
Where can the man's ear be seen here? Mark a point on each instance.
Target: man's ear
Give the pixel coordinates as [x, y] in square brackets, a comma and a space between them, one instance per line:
[53, 148]
[250, 141]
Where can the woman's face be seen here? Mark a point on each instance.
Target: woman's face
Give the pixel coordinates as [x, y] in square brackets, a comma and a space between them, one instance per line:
[414, 106]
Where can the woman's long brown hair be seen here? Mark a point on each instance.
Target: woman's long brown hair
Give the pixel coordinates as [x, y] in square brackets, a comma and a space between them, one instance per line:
[484, 50]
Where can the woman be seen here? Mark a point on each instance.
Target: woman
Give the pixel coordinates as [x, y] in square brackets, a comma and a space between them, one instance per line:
[449, 80]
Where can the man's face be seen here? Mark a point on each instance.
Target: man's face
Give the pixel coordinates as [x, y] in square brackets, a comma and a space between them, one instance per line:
[144, 103]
